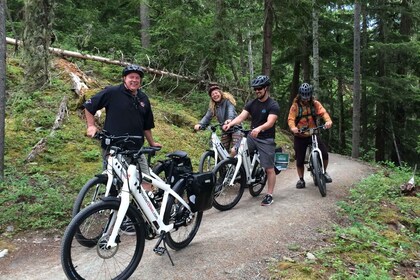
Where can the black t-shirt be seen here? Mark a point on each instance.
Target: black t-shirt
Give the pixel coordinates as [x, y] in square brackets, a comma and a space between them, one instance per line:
[259, 112]
[125, 113]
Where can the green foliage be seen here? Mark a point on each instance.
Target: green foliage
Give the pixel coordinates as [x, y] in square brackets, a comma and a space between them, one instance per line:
[381, 236]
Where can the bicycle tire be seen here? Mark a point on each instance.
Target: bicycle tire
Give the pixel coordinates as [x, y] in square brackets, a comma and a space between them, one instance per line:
[91, 192]
[225, 196]
[160, 169]
[82, 262]
[319, 175]
[207, 162]
[186, 223]
[311, 168]
[260, 180]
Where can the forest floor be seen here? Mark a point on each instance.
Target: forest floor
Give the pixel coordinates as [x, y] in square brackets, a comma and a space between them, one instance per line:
[238, 244]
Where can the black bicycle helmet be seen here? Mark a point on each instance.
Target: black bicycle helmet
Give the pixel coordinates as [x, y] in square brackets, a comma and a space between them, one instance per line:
[261, 81]
[133, 69]
[305, 91]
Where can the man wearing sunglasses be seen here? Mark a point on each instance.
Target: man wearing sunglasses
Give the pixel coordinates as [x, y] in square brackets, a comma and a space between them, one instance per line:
[264, 112]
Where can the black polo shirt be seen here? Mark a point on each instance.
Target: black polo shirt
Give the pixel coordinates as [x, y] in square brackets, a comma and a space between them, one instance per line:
[125, 113]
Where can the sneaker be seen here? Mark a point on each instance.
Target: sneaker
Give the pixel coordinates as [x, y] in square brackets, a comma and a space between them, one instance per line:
[327, 178]
[268, 199]
[300, 184]
[127, 226]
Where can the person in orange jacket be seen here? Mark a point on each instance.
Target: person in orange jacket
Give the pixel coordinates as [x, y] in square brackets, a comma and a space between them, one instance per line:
[303, 113]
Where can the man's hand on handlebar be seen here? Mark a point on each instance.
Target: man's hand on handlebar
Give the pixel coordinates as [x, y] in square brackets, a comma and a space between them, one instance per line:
[226, 127]
[328, 125]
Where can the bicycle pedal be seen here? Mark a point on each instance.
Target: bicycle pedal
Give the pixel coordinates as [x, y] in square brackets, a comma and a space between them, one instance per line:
[159, 250]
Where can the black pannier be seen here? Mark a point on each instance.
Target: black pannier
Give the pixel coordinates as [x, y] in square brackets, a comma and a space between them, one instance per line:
[178, 165]
[200, 191]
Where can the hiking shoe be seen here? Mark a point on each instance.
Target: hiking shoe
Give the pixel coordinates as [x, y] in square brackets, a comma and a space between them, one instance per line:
[300, 184]
[327, 178]
[127, 226]
[268, 199]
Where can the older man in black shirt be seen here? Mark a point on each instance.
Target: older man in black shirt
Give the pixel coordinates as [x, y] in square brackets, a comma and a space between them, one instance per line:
[128, 111]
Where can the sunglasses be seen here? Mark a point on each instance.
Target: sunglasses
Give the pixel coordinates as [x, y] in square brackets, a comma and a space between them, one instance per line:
[258, 88]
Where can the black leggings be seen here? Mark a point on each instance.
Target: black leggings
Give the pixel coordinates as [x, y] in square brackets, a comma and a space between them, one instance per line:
[300, 144]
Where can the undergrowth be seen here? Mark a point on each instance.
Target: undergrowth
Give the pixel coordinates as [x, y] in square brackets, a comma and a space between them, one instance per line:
[379, 238]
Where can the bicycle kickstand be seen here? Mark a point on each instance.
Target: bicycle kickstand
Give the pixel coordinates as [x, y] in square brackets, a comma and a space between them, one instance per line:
[161, 250]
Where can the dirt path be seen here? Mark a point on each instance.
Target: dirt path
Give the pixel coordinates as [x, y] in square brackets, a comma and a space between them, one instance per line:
[236, 244]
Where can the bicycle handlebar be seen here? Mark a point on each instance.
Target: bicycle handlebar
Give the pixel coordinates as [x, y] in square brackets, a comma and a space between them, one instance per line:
[311, 130]
[211, 127]
[150, 150]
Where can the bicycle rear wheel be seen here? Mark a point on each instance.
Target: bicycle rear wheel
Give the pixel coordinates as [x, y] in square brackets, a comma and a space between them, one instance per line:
[260, 179]
[319, 175]
[186, 223]
[227, 196]
[96, 261]
[207, 162]
[92, 192]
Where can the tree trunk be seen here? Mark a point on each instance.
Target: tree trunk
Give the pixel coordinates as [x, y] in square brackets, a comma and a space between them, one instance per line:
[356, 83]
[250, 56]
[37, 40]
[341, 110]
[380, 133]
[2, 84]
[294, 86]
[145, 25]
[267, 40]
[364, 106]
[315, 46]
[306, 65]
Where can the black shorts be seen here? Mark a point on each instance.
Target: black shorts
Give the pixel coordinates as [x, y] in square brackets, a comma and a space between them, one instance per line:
[300, 145]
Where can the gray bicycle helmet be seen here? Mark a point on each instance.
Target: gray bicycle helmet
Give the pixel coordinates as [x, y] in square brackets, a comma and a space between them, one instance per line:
[305, 91]
[261, 81]
[133, 69]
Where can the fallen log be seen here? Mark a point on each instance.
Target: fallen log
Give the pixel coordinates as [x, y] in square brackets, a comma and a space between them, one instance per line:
[62, 52]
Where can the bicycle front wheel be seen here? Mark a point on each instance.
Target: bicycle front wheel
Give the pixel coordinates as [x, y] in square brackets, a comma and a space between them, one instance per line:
[319, 175]
[96, 260]
[260, 179]
[226, 196]
[207, 162]
[186, 223]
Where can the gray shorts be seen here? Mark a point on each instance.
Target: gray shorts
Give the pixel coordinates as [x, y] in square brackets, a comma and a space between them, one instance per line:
[266, 149]
[144, 167]
[142, 161]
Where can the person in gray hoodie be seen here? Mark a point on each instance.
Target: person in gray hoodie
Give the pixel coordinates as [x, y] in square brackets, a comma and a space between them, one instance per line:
[222, 106]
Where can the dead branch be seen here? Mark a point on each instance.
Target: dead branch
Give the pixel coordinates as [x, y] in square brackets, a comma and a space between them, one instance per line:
[78, 86]
[40, 146]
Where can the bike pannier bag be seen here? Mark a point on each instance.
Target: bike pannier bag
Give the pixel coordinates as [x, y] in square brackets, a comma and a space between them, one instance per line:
[182, 166]
[201, 191]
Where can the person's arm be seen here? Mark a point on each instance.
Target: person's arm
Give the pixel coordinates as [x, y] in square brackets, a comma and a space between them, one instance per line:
[271, 120]
[242, 116]
[292, 118]
[205, 121]
[322, 112]
[90, 122]
[150, 140]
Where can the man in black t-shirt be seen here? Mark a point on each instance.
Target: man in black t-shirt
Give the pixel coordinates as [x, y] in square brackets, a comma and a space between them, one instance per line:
[128, 111]
[264, 112]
